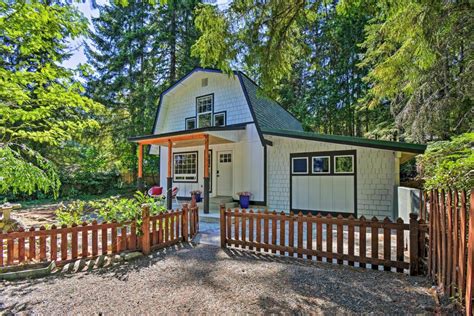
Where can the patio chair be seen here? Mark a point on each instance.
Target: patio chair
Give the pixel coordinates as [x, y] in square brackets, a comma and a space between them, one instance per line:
[174, 195]
[155, 192]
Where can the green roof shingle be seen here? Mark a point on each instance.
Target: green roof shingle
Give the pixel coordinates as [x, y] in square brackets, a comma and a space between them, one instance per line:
[268, 113]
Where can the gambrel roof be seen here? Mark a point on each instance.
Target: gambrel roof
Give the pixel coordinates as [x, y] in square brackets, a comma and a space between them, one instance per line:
[268, 113]
[271, 118]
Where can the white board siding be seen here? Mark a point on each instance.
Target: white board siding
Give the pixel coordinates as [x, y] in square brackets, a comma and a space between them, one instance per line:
[180, 103]
[375, 175]
[247, 163]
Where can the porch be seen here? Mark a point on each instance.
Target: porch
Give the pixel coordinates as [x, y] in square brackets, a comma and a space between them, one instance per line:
[172, 141]
[217, 161]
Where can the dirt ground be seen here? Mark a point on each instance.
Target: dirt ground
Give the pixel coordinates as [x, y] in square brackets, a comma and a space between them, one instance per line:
[207, 279]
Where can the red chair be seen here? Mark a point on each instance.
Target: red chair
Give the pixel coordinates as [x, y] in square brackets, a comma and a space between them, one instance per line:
[155, 191]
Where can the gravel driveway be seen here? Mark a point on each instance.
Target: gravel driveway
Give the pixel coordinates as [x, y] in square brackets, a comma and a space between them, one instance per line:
[206, 279]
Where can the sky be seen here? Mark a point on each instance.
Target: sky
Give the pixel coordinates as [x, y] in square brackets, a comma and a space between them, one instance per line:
[77, 46]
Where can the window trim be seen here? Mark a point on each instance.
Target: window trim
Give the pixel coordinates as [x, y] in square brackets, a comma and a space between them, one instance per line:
[205, 113]
[197, 167]
[186, 123]
[344, 172]
[292, 165]
[320, 172]
[219, 113]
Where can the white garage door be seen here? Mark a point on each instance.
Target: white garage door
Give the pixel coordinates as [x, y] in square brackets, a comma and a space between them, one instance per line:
[323, 182]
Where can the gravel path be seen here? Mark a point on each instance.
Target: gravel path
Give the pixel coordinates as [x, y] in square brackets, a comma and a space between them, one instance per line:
[206, 279]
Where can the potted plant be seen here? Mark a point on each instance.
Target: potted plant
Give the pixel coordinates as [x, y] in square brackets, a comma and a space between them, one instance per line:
[197, 195]
[244, 199]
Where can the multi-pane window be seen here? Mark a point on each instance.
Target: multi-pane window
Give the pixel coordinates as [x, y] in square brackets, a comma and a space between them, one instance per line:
[204, 111]
[185, 167]
[225, 158]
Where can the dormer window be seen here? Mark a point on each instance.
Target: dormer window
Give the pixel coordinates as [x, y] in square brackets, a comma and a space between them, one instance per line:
[204, 106]
[190, 123]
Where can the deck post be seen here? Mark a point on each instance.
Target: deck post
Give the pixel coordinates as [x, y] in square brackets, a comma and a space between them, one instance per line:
[206, 174]
[140, 184]
[169, 179]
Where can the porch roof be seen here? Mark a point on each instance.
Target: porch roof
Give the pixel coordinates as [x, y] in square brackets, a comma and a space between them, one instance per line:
[189, 138]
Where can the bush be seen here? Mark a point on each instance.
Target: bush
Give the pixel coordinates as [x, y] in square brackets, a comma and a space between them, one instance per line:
[109, 209]
[449, 164]
[87, 182]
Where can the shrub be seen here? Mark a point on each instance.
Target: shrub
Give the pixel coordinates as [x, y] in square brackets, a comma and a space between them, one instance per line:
[109, 209]
[449, 164]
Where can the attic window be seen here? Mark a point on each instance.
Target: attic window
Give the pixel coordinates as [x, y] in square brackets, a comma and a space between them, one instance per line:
[204, 82]
[204, 107]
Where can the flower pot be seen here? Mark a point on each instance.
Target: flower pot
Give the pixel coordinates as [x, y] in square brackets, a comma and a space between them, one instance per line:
[198, 197]
[244, 201]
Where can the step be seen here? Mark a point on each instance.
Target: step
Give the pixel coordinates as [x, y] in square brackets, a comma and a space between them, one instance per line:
[209, 218]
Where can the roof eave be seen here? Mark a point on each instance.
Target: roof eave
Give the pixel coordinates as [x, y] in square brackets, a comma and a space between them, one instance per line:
[386, 145]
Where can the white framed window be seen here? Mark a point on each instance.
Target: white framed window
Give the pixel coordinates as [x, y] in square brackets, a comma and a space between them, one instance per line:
[321, 164]
[204, 107]
[185, 167]
[190, 123]
[220, 119]
[223, 158]
[299, 165]
[344, 164]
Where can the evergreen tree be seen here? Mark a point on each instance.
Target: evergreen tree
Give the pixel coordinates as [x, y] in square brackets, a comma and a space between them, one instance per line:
[137, 50]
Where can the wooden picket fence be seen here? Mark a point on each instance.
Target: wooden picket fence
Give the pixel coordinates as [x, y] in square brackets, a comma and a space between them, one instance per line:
[451, 243]
[351, 240]
[67, 244]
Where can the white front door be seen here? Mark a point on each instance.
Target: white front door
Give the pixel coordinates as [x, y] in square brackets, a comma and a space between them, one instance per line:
[224, 173]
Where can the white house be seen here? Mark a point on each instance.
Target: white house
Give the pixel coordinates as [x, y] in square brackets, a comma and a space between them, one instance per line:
[255, 145]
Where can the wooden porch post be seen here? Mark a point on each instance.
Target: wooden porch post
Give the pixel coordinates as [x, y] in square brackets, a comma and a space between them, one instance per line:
[206, 173]
[140, 184]
[169, 179]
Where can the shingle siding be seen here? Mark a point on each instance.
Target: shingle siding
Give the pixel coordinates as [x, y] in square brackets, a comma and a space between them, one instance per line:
[180, 103]
[375, 174]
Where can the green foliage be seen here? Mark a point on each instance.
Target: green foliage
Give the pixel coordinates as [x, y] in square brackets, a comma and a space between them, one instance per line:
[24, 170]
[41, 104]
[265, 36]
[213, 46]
[420, 62]
[449, 164]
[109, 210]
[133, 64]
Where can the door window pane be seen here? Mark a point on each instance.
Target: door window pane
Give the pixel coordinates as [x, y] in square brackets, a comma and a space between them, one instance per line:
[321, 164]
[344, 164]
[299, 165]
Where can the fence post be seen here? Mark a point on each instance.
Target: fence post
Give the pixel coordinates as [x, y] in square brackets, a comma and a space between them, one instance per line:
[222, 224]
[470, 258]
[184, 222]
[145, 229]
[414, 233]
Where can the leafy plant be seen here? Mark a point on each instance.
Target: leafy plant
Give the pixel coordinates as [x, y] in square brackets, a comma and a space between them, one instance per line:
[109, 209]
[449, 164]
